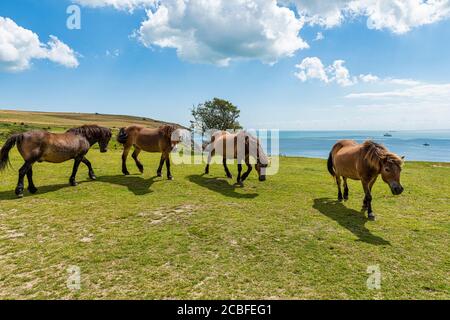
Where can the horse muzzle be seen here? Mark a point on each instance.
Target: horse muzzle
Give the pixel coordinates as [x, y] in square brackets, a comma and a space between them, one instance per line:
[262, 178]
[396, 189]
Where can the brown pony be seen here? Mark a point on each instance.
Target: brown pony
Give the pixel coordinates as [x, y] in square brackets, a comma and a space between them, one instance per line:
[162, 139]
[40, 146]
[364, 162]
[240, 146]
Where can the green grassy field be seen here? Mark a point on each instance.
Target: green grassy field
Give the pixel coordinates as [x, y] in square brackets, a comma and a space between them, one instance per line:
[201, 237]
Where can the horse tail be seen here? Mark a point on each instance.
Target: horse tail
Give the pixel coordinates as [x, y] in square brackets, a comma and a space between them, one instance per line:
[338, 146]
[122, 137]
[4, 152]
[330, 164]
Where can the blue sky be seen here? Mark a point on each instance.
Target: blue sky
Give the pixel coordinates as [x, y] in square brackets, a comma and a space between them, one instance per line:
[394, 72]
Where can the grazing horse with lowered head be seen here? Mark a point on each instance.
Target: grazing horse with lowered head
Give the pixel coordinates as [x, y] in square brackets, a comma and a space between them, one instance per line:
[39, 146]
[364, 162]
[240, 146]
[162, 139]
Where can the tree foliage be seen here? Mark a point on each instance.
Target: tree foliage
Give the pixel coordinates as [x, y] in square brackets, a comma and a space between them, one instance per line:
[216, 114]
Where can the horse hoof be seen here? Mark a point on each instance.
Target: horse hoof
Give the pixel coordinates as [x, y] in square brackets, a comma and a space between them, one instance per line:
[371, 217]
[159, 175]
[126, 173]
[19, 192]
[169, 178]
[340, 199]
[73, 183]
[93, 177]
[32, 190]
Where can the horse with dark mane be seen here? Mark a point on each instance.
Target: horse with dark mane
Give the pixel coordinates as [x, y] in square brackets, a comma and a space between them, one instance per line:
[162, 139]
[39, 146]
[364, 162]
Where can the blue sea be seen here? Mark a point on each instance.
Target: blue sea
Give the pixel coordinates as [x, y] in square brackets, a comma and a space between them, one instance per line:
[411, 144]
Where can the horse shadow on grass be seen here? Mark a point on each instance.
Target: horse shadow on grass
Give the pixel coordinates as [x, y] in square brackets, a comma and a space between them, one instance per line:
[10, 194]
[220, 186]
[135, 183]
[350, 219]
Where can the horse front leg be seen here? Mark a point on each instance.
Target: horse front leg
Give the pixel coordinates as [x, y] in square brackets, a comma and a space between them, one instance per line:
[161, 163]
[22, 172]
[76, 164]
[367, 204]
[247, 173]
[169, 175]
[126, 150]
[91, 171]
[31, 187]
[225, 166]
[136, 160]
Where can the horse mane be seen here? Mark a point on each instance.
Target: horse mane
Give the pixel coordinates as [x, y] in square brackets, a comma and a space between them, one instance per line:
[91, 132]
[376, 153]
[167, 130]
[260, 154]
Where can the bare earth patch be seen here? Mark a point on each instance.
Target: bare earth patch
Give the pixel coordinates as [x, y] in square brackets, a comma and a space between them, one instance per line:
[165, 214]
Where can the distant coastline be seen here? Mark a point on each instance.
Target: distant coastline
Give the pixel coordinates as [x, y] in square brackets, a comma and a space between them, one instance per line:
[428, 146]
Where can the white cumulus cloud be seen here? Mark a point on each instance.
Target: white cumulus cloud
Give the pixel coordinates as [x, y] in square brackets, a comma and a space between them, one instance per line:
[129, 5]
[220, 31]
[19, 46]
[340, 74]
[313, 68]
[337, 72]
[223, 30]
[397, 16]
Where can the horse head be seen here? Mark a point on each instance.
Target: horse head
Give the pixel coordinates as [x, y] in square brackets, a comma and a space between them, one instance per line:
[390, 172]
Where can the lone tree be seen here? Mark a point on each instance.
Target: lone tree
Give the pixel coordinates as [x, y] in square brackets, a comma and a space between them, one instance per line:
[216, 114]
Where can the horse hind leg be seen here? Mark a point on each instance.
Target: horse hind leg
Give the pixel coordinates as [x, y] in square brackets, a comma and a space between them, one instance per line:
[22, 172]
[135, 157]
[338, 182]
[31, 187]
[76, 165]
[345, 189]
[239, 172]
[210, 155]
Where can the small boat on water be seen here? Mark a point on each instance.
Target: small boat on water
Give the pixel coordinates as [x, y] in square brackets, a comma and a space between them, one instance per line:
[387, 134]
[426, 144]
